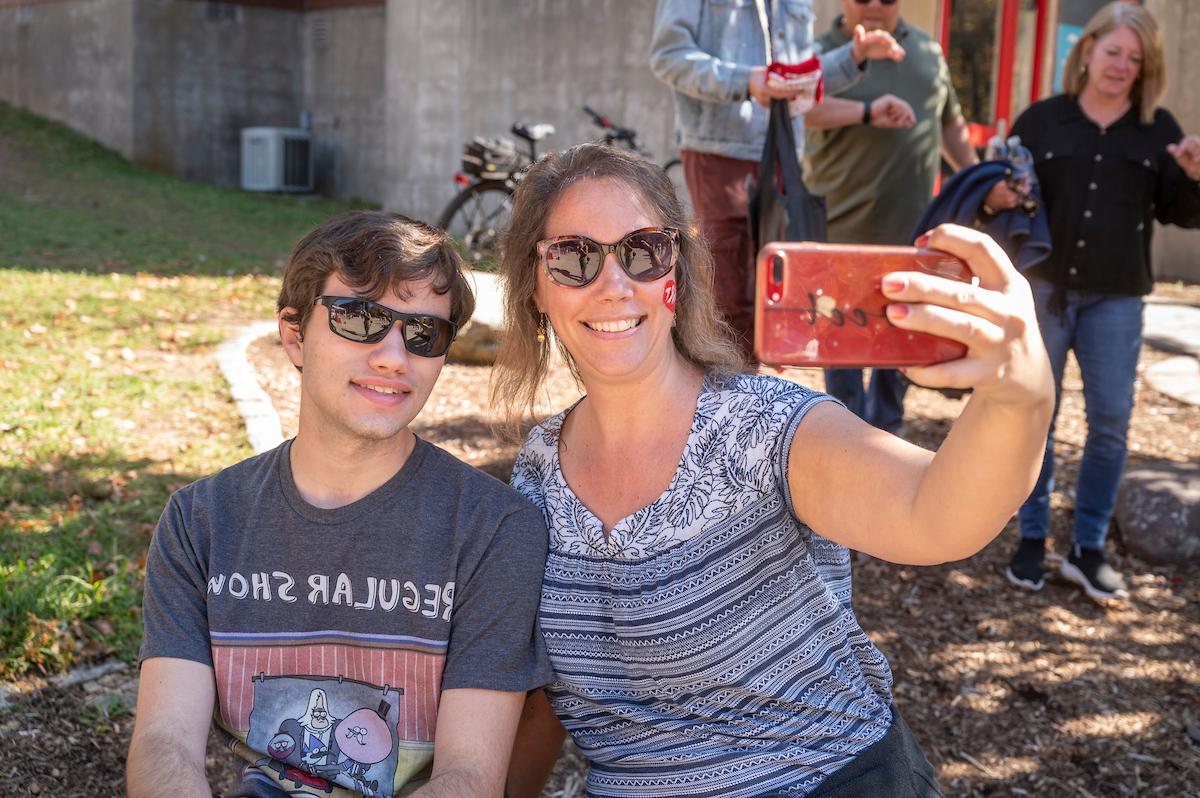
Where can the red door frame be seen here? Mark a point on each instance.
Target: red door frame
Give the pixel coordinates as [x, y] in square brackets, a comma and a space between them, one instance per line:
[1007, 46]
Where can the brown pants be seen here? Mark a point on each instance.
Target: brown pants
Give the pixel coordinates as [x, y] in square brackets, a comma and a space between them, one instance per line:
[718, 188]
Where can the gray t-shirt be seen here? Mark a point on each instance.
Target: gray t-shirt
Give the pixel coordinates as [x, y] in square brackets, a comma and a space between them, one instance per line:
[331, 633]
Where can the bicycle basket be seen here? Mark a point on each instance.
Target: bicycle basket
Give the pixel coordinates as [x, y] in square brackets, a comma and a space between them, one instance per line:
[490, 159]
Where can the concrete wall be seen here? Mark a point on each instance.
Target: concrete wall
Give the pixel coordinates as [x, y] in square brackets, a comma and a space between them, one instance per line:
[344, 91]
[170, 84]
[1177, 252]
[206, 70]
[394, 90]
[459, 68]
[72, 62]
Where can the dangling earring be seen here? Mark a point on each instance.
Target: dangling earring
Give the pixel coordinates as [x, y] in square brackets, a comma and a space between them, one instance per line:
[541, 328]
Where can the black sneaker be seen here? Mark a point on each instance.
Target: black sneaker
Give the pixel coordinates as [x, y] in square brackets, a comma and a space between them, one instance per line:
[1027, 568]
[1088, 569]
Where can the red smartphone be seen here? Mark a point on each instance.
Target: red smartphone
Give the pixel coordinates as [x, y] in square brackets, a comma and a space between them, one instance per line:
[821, 305]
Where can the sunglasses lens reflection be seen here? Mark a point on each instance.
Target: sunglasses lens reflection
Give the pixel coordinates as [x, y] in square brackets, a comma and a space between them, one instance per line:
[574, 262]
[647, 256]
[376, 321]
[351, 320]
[421, 335]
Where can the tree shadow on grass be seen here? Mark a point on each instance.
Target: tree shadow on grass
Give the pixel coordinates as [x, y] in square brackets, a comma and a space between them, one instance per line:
[73, 533]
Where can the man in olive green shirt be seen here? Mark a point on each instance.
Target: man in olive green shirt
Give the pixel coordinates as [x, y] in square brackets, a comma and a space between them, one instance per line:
[877, 181]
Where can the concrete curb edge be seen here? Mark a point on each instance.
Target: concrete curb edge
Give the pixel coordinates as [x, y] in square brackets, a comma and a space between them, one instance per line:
[263, 427]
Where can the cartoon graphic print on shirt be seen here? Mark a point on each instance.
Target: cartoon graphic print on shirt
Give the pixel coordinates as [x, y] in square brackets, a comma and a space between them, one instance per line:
[337, 713]
[353, 747]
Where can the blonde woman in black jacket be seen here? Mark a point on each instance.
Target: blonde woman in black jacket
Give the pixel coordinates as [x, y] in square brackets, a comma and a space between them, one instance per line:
[1110, 162]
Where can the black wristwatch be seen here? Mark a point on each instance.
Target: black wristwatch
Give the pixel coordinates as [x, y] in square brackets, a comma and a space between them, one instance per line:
[866, 119]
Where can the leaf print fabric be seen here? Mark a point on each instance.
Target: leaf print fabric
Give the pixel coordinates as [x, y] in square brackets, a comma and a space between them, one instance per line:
[707, 647]
[733, 456]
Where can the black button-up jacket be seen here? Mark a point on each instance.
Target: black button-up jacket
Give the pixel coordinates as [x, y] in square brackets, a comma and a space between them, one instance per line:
[1103, 189]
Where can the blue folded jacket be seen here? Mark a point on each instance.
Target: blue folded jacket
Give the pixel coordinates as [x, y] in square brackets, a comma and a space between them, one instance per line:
[1025, 238]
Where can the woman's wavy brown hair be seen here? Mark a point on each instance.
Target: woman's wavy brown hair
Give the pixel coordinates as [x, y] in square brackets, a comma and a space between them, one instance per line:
[1151, 83]
[700, 333]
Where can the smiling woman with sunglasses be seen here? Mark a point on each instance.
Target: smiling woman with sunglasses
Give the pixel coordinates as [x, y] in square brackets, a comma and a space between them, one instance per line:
[696, 602]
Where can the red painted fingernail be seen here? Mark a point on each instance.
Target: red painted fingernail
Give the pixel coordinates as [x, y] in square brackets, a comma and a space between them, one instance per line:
[894, 283]
[897, 310]
[922, 240]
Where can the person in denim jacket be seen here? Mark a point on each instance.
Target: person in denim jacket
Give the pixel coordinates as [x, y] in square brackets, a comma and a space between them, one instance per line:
[713, 54]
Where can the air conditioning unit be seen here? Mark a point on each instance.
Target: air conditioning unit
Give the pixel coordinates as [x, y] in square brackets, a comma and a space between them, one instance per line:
[277, 159]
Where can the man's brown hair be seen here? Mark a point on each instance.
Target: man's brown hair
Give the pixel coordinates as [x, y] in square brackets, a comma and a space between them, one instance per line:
[372, 251]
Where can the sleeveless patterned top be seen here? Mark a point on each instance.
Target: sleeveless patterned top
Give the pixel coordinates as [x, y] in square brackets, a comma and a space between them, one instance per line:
[707, 646]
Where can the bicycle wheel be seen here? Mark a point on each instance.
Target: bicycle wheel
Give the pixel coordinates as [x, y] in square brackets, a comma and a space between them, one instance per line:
[475, 219]
[674, 170]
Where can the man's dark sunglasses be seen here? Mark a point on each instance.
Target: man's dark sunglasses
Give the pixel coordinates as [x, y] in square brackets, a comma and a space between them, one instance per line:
[367, 322]
[645, 255]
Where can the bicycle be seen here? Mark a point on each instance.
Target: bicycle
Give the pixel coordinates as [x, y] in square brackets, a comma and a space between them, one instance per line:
[491, 170]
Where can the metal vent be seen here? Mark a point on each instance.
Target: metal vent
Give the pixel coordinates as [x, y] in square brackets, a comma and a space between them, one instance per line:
[320, 34]
[277, 159]
[296, 162]
[220, 12]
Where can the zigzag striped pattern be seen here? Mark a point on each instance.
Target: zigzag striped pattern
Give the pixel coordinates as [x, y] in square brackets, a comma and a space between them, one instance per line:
[706, 647]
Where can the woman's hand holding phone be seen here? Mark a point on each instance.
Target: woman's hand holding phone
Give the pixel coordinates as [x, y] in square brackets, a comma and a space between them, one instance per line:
[945, 505]
[993, 317]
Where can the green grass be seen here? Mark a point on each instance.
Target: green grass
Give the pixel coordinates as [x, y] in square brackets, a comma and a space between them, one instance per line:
[117, 291]
[108, 401]
[69, 203]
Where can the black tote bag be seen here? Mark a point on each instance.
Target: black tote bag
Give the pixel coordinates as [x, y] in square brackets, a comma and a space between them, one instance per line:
[780, 207]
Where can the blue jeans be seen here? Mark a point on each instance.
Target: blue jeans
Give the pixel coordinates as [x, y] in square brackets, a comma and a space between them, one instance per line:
[1106, 333]
[880, 405]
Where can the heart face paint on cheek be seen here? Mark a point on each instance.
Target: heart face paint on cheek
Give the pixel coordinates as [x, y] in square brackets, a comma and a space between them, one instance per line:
[669, 295]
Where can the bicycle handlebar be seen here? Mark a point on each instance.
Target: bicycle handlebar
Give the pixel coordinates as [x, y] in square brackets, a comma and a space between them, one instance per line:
[615, 132]
[601, 121]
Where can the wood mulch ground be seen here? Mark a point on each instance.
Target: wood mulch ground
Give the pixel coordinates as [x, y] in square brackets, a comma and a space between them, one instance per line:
[1010, 693]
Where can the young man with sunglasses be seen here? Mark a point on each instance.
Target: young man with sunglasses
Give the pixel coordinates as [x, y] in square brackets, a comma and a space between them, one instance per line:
[357, 606]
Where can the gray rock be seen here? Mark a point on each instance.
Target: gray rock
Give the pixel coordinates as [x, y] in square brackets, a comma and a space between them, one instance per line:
[1176, 377]
[477, 344]
[1158, 511]
[1172, 327]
